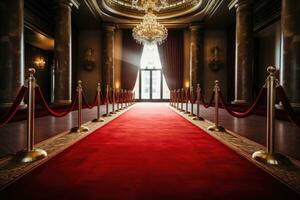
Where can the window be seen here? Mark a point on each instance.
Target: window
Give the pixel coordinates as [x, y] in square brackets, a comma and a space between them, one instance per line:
[151, 83]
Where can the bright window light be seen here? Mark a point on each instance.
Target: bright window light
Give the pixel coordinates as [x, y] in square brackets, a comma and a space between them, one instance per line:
[151, 76]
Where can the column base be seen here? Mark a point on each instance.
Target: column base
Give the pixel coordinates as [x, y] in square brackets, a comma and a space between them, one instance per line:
[216, 128]
[31, 156]
[62, 102]
[239, 102]
[79, 129]
[271, 159]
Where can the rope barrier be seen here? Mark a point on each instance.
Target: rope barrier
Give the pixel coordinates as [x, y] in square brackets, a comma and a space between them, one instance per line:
[85, 102]
[287, 106]
[207, 105]
[14, 108]
[52, 112]
[248, 111]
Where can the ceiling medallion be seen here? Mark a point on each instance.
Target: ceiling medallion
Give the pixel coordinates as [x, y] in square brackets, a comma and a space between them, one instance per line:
[146, 5]
[150, 31]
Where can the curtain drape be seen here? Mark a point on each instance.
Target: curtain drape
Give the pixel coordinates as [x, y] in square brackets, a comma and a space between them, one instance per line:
[171, 56]
[131, 58]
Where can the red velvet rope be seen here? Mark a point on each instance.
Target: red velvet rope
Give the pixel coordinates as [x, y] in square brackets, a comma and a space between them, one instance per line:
[85, 101]
[49, 110]
[287, 106]
[207, 105]
[248, 111]
[14, 108]
[194, 99]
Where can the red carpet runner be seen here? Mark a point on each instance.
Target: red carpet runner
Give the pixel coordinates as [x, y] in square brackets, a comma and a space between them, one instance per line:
[148, 153]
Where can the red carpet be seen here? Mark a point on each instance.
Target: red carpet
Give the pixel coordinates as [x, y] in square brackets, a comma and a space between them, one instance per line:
[148, 153]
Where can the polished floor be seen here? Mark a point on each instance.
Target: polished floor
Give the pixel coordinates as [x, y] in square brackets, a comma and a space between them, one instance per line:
[13, 135]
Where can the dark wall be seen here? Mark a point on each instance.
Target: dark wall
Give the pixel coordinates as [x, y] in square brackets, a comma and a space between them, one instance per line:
[43, 76]
[215, 39]
[89, 66]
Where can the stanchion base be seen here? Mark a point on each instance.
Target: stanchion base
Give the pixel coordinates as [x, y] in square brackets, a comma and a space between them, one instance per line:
[112, 113]
[186, 112]
[271, 159]
[80, 129]
[98, 120]
[216, 128]
[198, 118]
[31, 156]
[106, 115]
[192, 115]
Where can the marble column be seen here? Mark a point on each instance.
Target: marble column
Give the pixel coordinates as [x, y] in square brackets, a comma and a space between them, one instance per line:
[243, 52]
[108, 73]
[290, 68]
[196, 54]
[63, 51]
[11, 50]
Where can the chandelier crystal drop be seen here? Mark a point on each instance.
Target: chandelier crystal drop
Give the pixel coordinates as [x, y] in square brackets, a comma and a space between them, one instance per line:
[150, 31]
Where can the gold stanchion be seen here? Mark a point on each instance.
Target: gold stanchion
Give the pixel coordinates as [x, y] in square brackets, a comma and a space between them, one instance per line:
[198, 92]
[31, 154]
[177, 99]
[181, 100]
[79, 128]
[269, 156]
[107, 103]
[125, 98]
[191, 101]
[216, 126]
[122, 97]
[186, 101]
[113, 101]
[99, 118]
[118, 99]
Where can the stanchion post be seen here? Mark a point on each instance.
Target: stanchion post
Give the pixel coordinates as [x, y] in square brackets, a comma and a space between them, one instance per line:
[269, 156]
[192, 101]
[79, 128]
[113, 101]
[118, 99]
[107, 102]
[216, 127]
[198, 93]
[31, 154]
[122, 97]
[186, 101]
[99, 118]
[181, 100]
[178, 97]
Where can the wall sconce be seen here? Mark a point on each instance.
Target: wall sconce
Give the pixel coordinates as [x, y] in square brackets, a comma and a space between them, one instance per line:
[117, 85]
[215, 63]
[187, 84]
[40, 63]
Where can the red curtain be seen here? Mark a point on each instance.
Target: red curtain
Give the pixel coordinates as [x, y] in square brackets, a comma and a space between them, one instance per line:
[171, 56]
[131, 58]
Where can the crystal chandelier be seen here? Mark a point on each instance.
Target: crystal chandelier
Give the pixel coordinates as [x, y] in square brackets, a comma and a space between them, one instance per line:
[150, 31]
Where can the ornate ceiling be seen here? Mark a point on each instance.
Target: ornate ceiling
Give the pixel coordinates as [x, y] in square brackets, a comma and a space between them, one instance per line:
[175, 13]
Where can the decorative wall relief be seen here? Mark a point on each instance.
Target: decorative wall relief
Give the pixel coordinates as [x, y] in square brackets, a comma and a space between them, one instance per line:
[215, 63]
[89, 61]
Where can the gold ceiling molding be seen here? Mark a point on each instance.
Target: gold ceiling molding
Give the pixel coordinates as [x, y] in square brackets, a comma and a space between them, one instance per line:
[177, 12]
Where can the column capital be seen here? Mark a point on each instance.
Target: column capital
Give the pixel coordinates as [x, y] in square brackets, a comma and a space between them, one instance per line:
[195, 26]
[239, 3]
[69, 3]
[109, 27]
